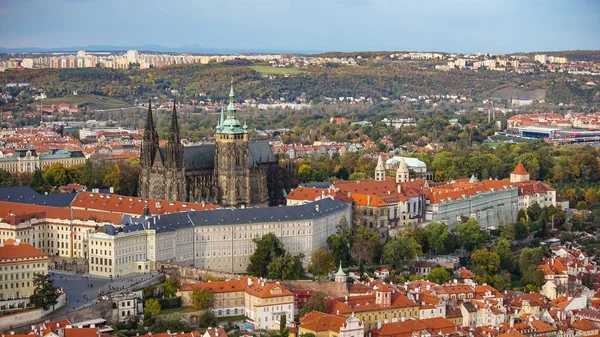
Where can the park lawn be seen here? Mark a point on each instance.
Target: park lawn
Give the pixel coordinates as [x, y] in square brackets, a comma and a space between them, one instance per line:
[276, 70]
[93, 101]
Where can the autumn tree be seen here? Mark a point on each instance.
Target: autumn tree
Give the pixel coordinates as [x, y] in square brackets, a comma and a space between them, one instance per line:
[364, 245]
[151, 307]
[201, 298]
[321, 263]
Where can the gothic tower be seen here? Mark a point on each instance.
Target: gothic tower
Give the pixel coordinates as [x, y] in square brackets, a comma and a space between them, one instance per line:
[149, 154]
[380, 170]
[175, 189]
[231, 159]
[402, 173]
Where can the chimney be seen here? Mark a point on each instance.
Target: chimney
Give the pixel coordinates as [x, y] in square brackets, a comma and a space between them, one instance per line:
[317, 208]
[399, 188]
[146, 210]
[17, 242]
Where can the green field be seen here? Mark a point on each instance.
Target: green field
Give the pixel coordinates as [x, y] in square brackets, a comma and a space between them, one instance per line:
[276, 70]
[93, 101]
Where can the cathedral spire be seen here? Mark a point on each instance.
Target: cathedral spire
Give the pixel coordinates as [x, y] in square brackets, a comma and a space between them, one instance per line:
[150, 140]
[231, 106]
[174, 147]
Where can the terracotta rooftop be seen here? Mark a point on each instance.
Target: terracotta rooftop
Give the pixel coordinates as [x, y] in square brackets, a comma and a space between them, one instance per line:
[520, 169]
[12, 249]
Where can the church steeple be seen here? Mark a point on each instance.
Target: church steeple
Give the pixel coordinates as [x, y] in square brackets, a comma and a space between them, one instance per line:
[231, 125]
[174, 147]
[380, 170]
[150, 140]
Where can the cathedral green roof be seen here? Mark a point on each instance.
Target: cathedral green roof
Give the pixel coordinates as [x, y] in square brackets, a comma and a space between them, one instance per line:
[340, 272]
[231, 125]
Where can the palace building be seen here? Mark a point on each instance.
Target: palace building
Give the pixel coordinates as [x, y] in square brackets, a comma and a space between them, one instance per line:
[232, 172]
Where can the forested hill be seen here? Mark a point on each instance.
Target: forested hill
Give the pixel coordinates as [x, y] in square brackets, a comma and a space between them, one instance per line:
[369, 79]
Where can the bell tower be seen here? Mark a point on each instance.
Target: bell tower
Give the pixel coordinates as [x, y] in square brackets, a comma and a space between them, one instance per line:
[231, 159]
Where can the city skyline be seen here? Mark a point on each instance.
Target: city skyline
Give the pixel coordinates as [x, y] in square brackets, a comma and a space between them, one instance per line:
[265, 25]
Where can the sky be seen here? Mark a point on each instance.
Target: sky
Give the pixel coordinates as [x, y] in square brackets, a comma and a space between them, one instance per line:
[501, 26]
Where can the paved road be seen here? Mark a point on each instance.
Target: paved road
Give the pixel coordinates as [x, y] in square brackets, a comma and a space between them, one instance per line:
[84, 288]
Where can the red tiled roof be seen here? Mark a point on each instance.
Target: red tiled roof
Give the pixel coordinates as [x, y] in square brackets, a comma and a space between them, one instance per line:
[520, 169]
[81, 332]
[306, 193]
[13, 250]
[318, 321]
[131, 205]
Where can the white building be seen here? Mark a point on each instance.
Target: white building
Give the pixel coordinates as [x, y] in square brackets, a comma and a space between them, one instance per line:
[218, 240]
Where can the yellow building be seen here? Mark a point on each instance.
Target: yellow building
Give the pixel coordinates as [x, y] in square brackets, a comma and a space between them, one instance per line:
[19, 263]
[384, 304]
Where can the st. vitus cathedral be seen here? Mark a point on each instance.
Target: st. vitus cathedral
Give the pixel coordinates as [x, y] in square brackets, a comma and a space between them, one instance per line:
[232, 171]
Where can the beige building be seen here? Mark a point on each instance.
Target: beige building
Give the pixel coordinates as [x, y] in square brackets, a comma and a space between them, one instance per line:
[19, 263]
[263, 302]
[25, 160]
[115, 253]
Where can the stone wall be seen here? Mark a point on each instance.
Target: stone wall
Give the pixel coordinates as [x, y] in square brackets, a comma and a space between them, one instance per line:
[190, 274]
[7, 322]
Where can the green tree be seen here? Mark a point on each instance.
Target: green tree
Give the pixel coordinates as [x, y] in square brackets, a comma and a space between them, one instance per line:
[207, 320]
[37, 181]
[502, 281]
[529, 260]
[534, 211]
[340, 248]
[202, 298]
[484, 264]
[321, 263]
[268, 248]
[45, 294]
[502, 248]
[436, 236]
[400, 250]
[358, 176]
[283, 329]
[439, 275]
[470, 235]
[171, 286]
[6, 179]
[151, 307]
[317, 302]
[286, 267]
[364, 245]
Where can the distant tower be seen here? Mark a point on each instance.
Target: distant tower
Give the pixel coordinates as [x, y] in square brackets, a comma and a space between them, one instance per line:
[380, 170]
[519, 174]
[402, 173]
[231, 159]
[340, 276]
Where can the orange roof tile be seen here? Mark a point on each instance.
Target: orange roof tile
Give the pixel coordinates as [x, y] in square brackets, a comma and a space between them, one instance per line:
[131, 205]
[520, 169]
[306, 193]
[81, 332]
[318, 322]
[12, 249]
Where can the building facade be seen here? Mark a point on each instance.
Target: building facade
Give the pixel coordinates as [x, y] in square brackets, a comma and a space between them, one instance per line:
[19, 263]
[27, 160]
[231, 172]
[220, 240]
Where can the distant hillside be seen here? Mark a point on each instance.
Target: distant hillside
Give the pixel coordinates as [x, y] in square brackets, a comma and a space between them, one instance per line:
[515, 93]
